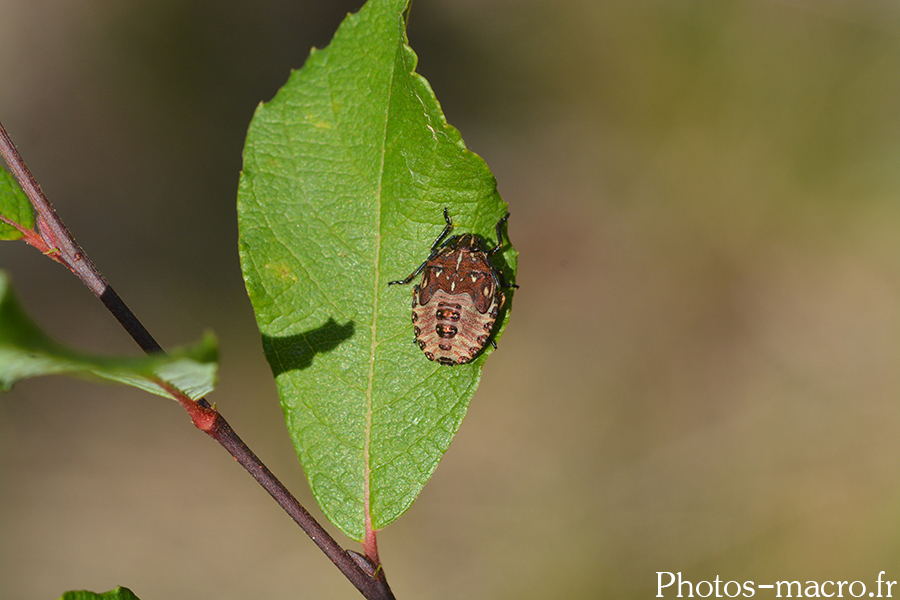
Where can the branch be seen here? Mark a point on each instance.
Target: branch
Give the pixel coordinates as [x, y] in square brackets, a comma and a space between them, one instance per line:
[53, 238]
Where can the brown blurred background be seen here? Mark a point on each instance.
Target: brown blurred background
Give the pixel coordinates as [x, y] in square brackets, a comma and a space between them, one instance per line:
[701, 371]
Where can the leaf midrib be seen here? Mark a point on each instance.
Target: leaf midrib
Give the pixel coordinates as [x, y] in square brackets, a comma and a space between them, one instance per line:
[367, 471]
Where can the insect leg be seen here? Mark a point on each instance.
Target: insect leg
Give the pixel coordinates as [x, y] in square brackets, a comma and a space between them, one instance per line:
[498, 276]
[434, 248]
[499, 229]
[444, 233]
[501, 280]
[410, 277]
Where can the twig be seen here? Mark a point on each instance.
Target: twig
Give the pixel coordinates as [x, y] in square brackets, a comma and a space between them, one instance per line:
[62, 247]
[53, 238]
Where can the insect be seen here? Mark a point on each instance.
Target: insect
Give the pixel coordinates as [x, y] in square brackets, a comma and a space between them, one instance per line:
[455, 306]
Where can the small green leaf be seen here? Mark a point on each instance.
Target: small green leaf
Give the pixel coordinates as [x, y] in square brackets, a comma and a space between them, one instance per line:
[14, 206]
[26, 351]
[346, 174]
[120, 593]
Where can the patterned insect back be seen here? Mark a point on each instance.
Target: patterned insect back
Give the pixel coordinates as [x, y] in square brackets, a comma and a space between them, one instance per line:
[455, 307]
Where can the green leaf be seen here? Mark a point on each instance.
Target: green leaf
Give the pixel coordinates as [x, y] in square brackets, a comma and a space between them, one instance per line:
[26, 351]
[14, 206]
[346, 174]
[120, 593]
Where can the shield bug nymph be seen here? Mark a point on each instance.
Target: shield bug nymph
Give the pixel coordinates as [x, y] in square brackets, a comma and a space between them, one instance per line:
[456, 305]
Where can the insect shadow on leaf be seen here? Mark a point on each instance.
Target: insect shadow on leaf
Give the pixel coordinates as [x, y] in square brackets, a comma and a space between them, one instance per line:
[295, 352]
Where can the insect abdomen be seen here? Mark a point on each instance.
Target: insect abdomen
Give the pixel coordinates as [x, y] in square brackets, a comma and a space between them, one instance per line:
[449, 328]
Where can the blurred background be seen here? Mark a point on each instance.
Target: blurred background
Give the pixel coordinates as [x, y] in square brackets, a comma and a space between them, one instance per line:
[701, 370]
